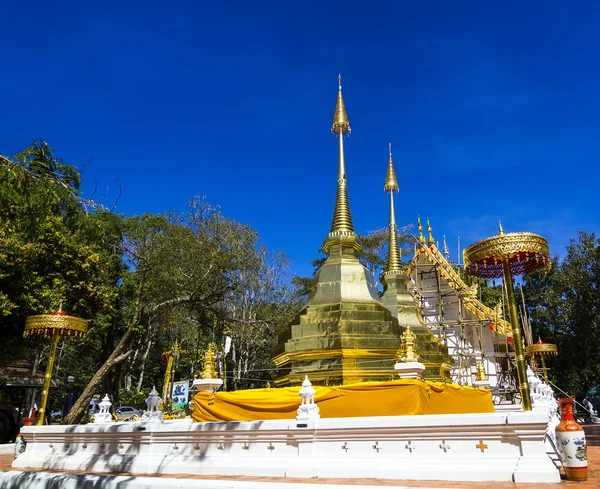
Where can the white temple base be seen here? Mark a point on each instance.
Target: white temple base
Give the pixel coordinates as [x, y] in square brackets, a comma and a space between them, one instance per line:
[48, 480]
[409, 370]
[207, 384]
[482, 384]
[469, 447]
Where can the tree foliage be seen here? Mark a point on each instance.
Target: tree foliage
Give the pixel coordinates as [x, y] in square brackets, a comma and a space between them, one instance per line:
[144, 282]
[50, 254]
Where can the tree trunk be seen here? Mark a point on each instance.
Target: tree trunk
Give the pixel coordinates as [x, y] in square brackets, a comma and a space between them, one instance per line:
[34, 371]
[117, 356]
[144, 357]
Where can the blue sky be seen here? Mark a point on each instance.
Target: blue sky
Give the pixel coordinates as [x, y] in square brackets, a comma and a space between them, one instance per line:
[492, 109]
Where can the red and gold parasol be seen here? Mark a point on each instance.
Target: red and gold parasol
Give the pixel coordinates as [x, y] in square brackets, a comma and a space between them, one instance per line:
[503, 256]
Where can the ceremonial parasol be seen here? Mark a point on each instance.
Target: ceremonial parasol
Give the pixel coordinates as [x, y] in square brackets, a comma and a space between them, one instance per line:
[542, 349]
[53, 326]
[503, 256]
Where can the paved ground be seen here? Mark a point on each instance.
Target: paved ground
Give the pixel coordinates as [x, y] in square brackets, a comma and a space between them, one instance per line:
[593, 440]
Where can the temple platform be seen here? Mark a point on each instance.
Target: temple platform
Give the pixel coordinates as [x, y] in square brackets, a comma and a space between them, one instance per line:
[477, 447]
[39, 478]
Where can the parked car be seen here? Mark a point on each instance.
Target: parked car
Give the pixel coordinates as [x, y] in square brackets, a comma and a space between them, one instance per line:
[126, 412]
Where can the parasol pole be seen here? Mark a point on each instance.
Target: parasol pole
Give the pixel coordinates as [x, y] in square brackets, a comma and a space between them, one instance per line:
[526, 323]
[544, 369]
[517, 339]
[47, 378]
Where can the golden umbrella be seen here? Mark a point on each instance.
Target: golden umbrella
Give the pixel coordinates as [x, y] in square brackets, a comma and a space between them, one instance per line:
[53, 326]
[542, 349]
[503, 256]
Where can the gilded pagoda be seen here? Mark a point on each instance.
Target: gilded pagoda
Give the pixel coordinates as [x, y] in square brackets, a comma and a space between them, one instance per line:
[345, 334]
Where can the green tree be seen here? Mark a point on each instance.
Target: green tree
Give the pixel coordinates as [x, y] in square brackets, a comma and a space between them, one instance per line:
[179, 264]
[564, 307]
[255, 312]
[54, 251]
[49, 247]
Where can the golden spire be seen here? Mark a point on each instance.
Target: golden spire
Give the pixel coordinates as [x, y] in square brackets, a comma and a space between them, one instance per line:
[430, 240]
[340, 118]
[500, 230]
[421, 237]
[342, 220]
[391, 186]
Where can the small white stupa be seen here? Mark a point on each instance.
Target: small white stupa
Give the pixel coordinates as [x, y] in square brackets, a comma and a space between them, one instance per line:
[153, 414]
[103, 416]
[308, 410]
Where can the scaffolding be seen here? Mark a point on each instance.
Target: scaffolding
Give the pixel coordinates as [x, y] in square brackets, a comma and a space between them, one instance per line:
[440, 295]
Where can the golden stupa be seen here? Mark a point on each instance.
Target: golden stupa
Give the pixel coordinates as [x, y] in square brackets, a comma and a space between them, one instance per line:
[347, 341]
[345, 334]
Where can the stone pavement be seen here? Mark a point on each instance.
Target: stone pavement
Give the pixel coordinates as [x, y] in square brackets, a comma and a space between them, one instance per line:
[593, 440]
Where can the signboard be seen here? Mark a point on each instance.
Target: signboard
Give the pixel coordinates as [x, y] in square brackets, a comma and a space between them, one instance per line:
[180, 395]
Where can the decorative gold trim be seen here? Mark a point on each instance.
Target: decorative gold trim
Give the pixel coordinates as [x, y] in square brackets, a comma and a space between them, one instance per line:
[46, 324]
[421, 237]
[287, 357]
[430, 240]
[541, 348]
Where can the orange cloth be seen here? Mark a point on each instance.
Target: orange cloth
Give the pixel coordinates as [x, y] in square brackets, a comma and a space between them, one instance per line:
[393, 398]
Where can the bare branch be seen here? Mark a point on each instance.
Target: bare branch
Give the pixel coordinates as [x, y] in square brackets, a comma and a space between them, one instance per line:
[119, 196]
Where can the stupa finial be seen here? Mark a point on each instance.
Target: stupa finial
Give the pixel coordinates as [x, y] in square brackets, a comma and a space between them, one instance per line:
[340, 125]
[500, 229]
[430, 240]
[421, 237]
[391, 186]
[341, 224]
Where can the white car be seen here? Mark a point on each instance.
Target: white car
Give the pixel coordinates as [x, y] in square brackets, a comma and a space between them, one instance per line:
[126, 412]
